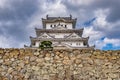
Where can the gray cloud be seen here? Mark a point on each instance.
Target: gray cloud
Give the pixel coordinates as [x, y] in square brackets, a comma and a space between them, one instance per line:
[112, 5]
[16, 18]
[19, 10]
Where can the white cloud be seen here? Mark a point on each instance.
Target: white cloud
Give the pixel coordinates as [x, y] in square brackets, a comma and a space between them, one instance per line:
[5, 4]
[115, 42]
[100, 21]
[2, 3]
[6, 23]
[102, 43]
[46, 8]
[5, 42]
[98, 30]
[54, 8]
[94, 35]
[80, 2]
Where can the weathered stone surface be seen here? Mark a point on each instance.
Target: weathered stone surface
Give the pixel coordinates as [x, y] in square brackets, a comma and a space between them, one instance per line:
[61, 55]
[36, 68]
[66, 58]
[36, 53]
[27, 64]
[1, 60]
[10, 70]
[77, 61]
[1, 51]
[39, 60]
[47, 58]
[32, 58]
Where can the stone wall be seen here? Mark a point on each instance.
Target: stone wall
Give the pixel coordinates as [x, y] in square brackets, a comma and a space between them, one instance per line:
[27, 64]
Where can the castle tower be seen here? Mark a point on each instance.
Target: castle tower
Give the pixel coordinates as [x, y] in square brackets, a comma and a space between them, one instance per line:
[61, 32]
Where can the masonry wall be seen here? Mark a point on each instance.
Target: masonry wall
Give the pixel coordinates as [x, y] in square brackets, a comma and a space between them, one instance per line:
[27, 64]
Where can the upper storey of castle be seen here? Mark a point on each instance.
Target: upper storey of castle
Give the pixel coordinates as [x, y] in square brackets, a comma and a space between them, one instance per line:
[59, 23]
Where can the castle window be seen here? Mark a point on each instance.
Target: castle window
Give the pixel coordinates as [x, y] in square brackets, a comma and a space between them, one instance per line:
[65, 26]
[73, 36]
[44, 36]
[54, 25]
[53, 36]
[50, 25]
[84, 43]
[78, 43]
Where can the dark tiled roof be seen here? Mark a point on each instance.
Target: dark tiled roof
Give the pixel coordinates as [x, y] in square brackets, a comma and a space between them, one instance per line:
[52, 18]
[65, 18]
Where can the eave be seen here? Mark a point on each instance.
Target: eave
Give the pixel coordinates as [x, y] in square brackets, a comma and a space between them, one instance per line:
[59, 39]
[40, 31]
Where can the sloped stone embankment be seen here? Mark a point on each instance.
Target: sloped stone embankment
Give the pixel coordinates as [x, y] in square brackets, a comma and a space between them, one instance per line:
[27, 64]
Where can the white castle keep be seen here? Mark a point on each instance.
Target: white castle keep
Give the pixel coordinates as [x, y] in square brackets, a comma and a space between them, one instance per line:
[61, 32]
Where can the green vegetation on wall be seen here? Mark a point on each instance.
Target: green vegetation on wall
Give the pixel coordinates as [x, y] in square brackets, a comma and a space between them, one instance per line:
[45, 45]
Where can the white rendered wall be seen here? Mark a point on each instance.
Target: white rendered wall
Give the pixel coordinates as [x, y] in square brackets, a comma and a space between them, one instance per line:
[60, 35]
[48, 26]
[37, 44]
[69, 44]
[74, 44]
[68, 25]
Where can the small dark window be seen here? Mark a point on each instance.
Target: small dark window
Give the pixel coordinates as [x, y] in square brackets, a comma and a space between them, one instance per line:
[73, 36]
[76, 43]
[65, 26]
[44, 36]
[50, 25]
[84, 43]
[54, 25]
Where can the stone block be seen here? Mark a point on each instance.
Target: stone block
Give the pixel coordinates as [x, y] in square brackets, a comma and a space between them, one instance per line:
[61, 55]
[66, 62]
[1, 51]
[66, 58]
[47, 58]
[77, 61]
[46, 77]
[36, 53]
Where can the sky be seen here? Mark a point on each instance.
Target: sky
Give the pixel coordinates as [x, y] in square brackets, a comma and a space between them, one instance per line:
[99, 18]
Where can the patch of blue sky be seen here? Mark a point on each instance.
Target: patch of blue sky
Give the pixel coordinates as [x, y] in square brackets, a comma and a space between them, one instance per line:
[102, 38]
[110, 46]
[89, 22]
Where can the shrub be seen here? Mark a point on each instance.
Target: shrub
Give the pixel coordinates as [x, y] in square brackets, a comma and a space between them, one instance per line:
[46, 45]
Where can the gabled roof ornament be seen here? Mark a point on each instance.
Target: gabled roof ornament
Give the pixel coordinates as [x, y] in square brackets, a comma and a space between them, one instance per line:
[70, 16]
[47, 16]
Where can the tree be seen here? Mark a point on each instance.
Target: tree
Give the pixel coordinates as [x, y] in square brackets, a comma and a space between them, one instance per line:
[45, 44]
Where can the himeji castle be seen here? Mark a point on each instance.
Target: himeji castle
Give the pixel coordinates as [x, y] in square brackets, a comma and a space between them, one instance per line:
[62, 32]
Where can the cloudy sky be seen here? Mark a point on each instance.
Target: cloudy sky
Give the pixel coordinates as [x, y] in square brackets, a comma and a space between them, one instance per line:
[100, 19]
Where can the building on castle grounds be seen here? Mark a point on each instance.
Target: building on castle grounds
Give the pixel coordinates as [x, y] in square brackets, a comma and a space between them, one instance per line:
[62, 32]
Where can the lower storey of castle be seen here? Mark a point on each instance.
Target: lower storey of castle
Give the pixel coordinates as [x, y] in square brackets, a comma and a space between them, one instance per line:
[65, 45]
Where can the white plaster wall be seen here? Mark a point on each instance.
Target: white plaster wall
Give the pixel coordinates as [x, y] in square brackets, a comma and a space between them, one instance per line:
[54, 43]
[68, 25]
[75, 44]
[37, 44]
[60, 35]
[48, 26]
